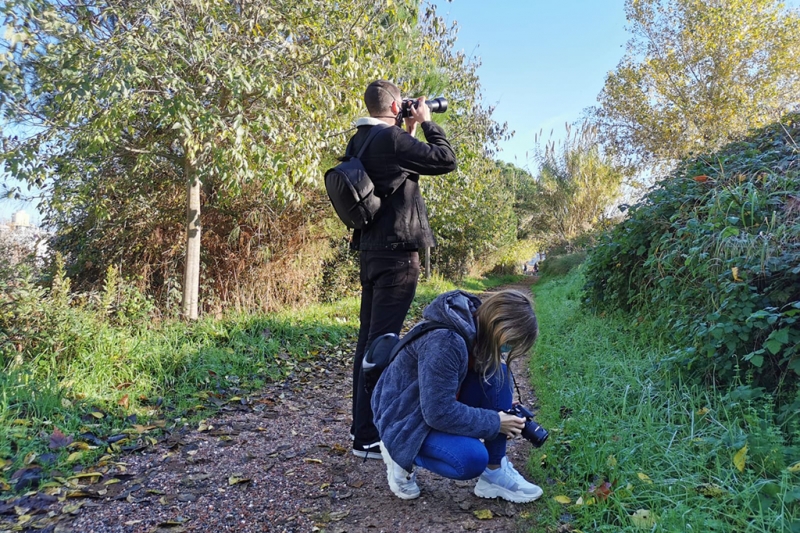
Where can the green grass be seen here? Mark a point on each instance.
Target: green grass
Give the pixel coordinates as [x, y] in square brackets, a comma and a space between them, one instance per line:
[667, 449]
[84, 372]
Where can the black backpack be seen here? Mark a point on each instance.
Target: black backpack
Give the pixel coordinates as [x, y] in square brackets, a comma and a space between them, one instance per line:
[350, 189]
[385, 348]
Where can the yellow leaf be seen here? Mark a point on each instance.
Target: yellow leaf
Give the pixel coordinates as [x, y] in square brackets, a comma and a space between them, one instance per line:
[645, 478]
[710, 489]
[310, 460]
[704, 410]
[483, 514]
[111, 481]
[97, 414]
[233, 480]
[611, 461]
[74, 456]
[643, 519]
[735, 272]
[563, 499]
[85, 474]
[795, 467]
[740, 459]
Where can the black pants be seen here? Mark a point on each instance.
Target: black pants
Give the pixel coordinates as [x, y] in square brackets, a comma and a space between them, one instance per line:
[388, 283]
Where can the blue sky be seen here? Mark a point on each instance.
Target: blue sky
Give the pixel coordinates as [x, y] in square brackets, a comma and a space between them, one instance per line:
[543, 61]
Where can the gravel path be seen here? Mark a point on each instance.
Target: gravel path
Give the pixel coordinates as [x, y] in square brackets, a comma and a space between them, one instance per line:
[280, 462]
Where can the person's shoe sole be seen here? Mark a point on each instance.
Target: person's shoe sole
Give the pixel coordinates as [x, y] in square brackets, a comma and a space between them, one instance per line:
[368, 455]
[393, 486]
[487, 490]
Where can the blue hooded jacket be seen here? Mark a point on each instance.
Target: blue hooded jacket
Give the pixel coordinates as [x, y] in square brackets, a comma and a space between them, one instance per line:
[418, 391]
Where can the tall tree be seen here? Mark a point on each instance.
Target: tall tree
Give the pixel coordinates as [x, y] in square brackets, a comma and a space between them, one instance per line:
[696, 74]
[217, 95]
[575, 186]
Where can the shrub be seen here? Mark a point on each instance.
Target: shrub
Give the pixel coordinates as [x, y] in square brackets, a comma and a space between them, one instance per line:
[712, 255]
[561, 264]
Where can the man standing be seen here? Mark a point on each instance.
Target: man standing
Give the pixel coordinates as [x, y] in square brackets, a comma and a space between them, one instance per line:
[389, 246]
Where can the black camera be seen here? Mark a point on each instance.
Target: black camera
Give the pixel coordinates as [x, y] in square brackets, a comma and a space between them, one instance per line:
[532, 431]
[437, 105]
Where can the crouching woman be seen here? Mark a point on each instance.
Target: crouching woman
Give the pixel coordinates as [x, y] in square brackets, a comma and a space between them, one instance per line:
[440, 404]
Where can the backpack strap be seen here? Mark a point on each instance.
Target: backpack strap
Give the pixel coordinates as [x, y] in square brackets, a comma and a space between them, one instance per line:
[373, 132]
[418, 331]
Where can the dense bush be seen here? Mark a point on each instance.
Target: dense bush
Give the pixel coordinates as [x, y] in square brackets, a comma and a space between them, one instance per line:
[712, 254]
[558, 265]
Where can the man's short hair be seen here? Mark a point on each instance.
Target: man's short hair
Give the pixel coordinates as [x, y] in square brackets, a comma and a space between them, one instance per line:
[379, 96]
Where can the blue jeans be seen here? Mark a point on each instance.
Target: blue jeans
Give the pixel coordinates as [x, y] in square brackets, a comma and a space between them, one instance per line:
[460, 457]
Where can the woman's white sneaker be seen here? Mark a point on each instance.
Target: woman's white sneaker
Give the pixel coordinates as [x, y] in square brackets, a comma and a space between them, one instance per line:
[402, 483]
[506, 483]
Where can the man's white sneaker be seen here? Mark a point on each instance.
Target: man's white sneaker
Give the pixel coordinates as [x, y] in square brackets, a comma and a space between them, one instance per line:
[403, 483]
[506, 483]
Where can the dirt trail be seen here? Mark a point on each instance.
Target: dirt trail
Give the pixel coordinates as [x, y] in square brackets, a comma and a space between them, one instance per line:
[281, 462]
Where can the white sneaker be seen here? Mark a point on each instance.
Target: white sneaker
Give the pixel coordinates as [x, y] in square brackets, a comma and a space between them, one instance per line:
[403, 483]
[506, 483]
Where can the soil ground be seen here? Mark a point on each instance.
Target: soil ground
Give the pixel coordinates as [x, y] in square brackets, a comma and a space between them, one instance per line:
[281, 462]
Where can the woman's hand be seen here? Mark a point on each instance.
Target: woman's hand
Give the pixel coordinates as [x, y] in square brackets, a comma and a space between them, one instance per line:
[511, 425]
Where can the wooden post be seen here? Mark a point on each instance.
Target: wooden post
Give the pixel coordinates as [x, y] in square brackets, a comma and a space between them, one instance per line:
[427, 262]
[191, 276]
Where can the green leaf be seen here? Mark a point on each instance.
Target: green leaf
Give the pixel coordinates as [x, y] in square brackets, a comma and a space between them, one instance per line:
[773, 346]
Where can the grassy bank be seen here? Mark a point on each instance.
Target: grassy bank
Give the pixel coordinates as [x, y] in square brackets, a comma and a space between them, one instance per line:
[632, 448]
[83, 381]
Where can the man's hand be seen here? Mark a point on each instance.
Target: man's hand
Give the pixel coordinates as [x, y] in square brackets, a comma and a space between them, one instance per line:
[419, 114]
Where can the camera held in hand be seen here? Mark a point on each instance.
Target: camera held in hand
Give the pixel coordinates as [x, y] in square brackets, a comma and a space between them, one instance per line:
[532, 431]
[437, 105]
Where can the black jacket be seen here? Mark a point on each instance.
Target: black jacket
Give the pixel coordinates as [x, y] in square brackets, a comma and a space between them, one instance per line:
[394, 161]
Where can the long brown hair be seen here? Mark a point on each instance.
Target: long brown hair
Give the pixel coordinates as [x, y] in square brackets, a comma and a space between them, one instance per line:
[504, 317]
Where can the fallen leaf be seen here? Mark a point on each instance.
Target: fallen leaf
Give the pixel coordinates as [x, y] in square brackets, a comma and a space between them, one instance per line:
[233, 480]
[602, 491]
[483, 514]
[645, 478]
[740, 459]
[710, 489]
[74, 456]
[72, 509]
[310, 460]
[338, 515]
[97, 414]
[701, 179]
[643, 519]
[611, 461]
[59, 440]
[735, 273]
[794, 468]
[124, 401]
[563, 499]
[704, 410]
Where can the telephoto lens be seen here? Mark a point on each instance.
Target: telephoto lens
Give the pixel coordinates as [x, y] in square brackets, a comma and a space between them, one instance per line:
[437, 105]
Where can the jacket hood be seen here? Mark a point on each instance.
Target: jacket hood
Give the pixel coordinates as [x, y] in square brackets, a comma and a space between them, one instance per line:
[456, 308]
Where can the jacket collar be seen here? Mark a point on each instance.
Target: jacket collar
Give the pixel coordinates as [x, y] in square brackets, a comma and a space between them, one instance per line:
[369, 121]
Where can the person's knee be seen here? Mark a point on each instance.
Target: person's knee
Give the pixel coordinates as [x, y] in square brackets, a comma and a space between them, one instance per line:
[475, 459]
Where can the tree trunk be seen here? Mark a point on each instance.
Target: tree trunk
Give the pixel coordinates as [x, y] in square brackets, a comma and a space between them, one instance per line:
[191, 276]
